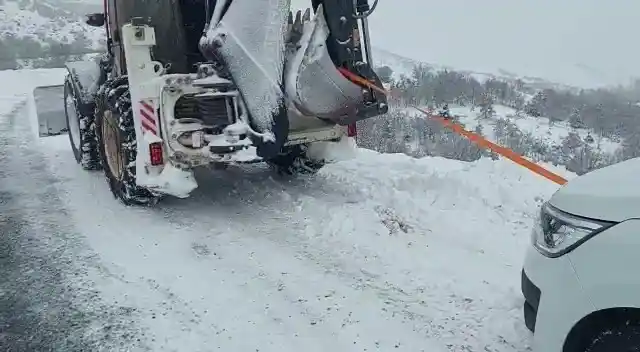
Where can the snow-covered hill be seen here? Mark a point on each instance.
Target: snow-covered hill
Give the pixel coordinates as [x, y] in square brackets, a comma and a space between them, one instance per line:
[551, 39]
[61, 21]
[404, 66]
[48, 22]
[378, 252]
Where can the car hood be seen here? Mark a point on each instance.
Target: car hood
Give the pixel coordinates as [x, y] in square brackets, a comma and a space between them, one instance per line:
[611, 193]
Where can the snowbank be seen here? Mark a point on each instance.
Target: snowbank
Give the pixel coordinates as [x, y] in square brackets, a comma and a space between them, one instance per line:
[377, 252]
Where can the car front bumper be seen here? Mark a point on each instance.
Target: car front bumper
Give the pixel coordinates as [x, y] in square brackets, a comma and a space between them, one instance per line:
[531, 294]
[554, 299]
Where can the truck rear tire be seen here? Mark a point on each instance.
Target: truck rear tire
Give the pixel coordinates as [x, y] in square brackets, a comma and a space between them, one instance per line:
[81, 127]
[116, 137]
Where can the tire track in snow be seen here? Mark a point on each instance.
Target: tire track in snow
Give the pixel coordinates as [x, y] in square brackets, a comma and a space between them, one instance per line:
[471, 308]
[403, 302]
[250, 253]
[235, 279]
[47, 302]
[412, 291]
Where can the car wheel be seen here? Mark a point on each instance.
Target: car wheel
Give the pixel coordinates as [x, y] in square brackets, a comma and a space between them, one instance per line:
[625, 338]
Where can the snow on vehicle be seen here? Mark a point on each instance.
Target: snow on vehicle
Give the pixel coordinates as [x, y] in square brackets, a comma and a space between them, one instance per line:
[47, 101]
[190, 83]
[579, 280]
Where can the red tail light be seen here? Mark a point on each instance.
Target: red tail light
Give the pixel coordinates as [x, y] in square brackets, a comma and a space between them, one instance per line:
[155, 154]
[352, 130]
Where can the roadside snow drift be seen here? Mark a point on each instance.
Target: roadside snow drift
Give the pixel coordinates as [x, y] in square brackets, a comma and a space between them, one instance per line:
[375, 253]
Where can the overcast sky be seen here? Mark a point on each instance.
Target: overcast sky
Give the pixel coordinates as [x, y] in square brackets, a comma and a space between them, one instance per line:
[548, 38]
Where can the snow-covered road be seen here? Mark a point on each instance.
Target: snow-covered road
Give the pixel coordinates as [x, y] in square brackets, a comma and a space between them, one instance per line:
[378, 253]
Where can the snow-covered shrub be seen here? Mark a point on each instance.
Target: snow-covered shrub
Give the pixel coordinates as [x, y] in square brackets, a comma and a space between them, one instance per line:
[400, 132]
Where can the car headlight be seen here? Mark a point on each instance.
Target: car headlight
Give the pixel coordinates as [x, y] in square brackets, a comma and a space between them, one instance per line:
[556, 233]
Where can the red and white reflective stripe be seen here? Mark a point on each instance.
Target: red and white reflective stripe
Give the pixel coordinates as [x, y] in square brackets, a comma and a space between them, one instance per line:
[148, 114]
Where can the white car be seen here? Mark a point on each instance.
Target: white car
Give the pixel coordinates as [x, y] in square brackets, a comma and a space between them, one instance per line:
[581, 275]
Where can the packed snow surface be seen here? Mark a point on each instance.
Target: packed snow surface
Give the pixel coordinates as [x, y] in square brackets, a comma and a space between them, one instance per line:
[375, 253]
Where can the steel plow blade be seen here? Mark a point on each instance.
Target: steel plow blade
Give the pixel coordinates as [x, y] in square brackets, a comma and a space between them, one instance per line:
[49, 106]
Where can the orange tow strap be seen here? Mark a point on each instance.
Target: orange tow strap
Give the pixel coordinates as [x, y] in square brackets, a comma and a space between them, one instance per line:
[487, 144]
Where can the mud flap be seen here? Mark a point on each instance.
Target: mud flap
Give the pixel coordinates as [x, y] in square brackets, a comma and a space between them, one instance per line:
[49, 105]
[312, 80]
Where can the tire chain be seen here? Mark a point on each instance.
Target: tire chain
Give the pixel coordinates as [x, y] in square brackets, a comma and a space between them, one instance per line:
[294, 160]
[90, 159]
[115, 96]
